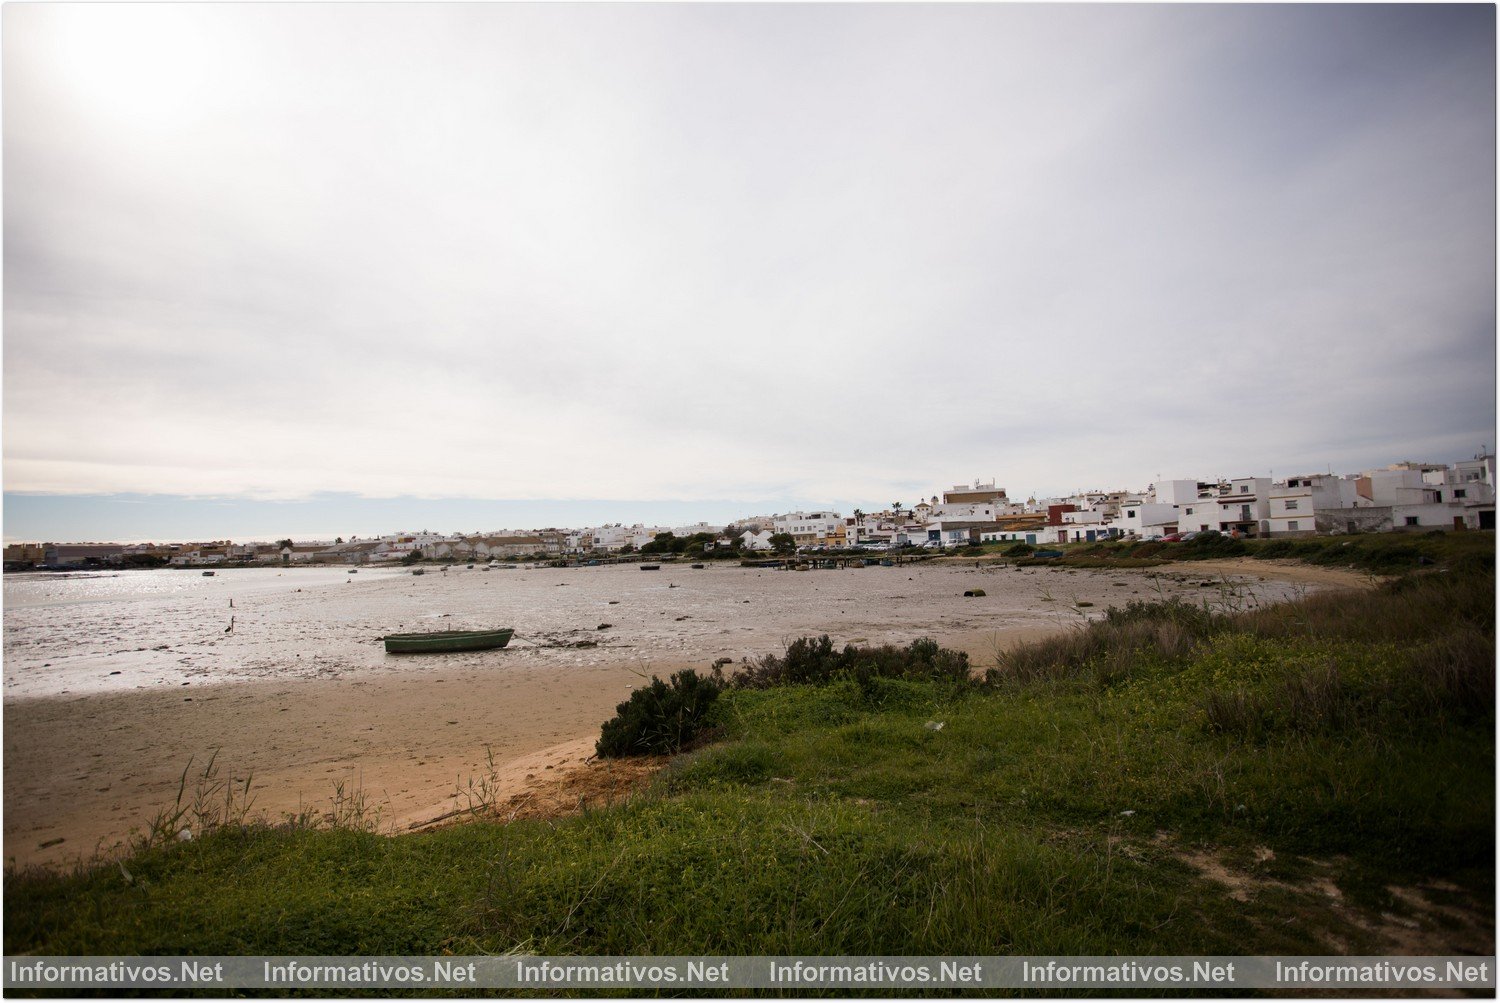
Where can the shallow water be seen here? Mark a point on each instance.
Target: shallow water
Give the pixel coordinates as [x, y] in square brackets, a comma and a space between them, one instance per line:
[98, 632]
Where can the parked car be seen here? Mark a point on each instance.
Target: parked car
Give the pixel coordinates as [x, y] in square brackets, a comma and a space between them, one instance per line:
[1172, 538]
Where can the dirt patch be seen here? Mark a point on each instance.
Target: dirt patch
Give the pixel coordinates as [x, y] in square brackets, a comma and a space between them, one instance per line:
[1465, 928]
[597, 784]
[564, 780]
[1242, 886]
[1438, 918]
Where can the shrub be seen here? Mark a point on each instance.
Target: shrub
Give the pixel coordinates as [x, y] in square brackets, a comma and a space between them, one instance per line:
[1317, 700]
[814, 661]
[1110, 649]
[1274, 549]
[1019, 550]
[1212, 543]
[1456, 672]
[1233, 712]
[659, 718]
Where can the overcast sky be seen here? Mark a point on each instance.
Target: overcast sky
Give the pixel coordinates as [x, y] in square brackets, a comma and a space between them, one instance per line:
[746, 257]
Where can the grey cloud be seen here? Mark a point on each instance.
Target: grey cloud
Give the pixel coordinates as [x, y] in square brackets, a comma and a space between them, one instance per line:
[793, 243]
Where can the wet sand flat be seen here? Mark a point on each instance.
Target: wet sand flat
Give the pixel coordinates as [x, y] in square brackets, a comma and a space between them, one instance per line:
[302, 697]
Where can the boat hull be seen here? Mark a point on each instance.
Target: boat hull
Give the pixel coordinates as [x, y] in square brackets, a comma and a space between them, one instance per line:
[447, 640]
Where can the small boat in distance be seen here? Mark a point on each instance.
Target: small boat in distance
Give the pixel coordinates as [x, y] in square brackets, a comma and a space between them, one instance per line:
[447, 640]
[208, 574]
[354, 571]
[650, 567]
[697, 567]
[419, 571]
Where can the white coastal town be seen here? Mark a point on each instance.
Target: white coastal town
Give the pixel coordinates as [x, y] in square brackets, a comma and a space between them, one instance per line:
[1403, 496]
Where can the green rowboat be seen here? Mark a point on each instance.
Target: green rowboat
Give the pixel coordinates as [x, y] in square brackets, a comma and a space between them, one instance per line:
[447, 640]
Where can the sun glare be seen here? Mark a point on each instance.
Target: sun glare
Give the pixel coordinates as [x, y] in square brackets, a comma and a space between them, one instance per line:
[144, 64]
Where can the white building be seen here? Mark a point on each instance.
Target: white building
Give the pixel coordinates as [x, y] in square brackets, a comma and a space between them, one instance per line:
[642, 535]
[1241, 505]
[812, 528]
[972, 511]
[1146, 518]
[1472, 484]
[612, 538]
[976, 493]
[752, 540]
[1176, 492]
[1432, 496]
[1297, 502]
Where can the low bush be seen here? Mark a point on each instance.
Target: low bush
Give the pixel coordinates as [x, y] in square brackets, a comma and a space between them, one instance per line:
[659, 718]
[1318, 701]
[1018, 550]
[1455, 673]
[810, 660]
[1110, 649]
[1273, 549]
[1210, 544]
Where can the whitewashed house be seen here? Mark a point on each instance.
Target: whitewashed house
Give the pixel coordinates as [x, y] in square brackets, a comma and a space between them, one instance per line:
[642, 535]
[1241, 505]
[1146, 518]
[606, 538]
[1028, 528]
[1298, 502]
[811, 529]
[1432, 495]
[1082, 526]
[753, 540]
[1472, 484]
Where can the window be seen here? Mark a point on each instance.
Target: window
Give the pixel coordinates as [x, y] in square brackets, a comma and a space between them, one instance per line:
[1460, 493]
[1187, 511]
[1130, 513]
[1291, 504]
[1411, 520]
[1292, 525]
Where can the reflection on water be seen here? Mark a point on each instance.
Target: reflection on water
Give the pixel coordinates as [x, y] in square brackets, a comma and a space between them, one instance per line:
[85, 633]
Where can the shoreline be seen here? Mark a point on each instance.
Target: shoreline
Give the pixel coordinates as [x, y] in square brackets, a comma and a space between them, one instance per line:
[86, 770]
[82, 771]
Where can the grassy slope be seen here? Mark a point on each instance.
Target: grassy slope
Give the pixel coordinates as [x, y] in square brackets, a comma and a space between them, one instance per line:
[1378, 553]
[1351, 737]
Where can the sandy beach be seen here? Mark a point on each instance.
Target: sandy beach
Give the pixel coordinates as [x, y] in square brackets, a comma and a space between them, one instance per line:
[82, 769]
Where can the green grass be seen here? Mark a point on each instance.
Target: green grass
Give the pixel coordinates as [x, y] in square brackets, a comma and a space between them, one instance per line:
[1376, 553]
[1057, 809]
